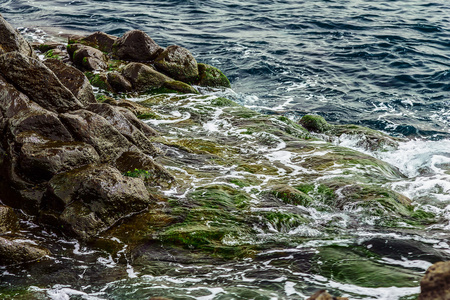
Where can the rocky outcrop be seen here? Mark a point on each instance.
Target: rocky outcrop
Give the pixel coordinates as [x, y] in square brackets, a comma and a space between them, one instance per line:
[136, 45]
[11, 40]
[178, 63]
[435, 285]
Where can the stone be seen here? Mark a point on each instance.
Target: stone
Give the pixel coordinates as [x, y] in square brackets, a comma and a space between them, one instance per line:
[125, 111]
[40, 162]
[93, 198]
[178, 63]
[323, 295]
[143, 77]
[436, 282]
[95, 130]
[12, 252]
[179, 86]
[88, 58]
[212, 77]
[314, 123]
[11, 40]
[136, 45]
[118, 83]
[8, 219]
[115, 117]
[38, 82]
[73, 79]
[100, 40]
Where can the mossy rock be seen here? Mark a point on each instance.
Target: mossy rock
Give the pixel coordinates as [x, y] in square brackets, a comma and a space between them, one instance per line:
[283, 221]
[225, 102]
[212, 77]
[314, 123]
[290, 195]
[180, 87]
[358, 266]
[99, 80]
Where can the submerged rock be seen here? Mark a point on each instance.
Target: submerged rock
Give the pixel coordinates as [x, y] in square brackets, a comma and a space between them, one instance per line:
[136, 45]
[12, 252]
[436, 282]
[178, 63]
[11, 40]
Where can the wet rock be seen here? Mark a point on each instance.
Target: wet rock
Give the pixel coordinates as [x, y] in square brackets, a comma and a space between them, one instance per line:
[114, 116]
[323, 295]
[436, 282]
[93, 198]
[8, 219]
[136, 45]
[178, 63]
[11, 40]
[314, 123]
[99, 40]
[211, 76]
[73, 79]
[95, 130]
[181, 87]
[146, 130]
[87, 58]
[100, 80]
[118, 83]
[40, 162]
[12, 252]
[38, 82]
[143, 77]
[291, 195]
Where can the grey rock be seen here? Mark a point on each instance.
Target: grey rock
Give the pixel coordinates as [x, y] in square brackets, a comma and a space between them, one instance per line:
[12, 252]
[11, 40]
[178, 63]
[136, 45]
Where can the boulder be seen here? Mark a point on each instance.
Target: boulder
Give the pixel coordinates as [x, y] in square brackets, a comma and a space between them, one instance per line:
[40, 162]
[178, 63]
[115, 117]
[100, 40]
[436, 282]
[73, 79]
[143, 77]
[125, 111]
[8, 219]
[314, 123]
[118, 83]
[12, 252]
[136, 45]
[323, 295]
[212, 77]
[91, 199]
[38, 82]
[95, 130]
[180, 86]
[11, 40]
[88, 58]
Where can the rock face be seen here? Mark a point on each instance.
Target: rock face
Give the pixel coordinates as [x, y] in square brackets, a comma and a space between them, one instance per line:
[11, 40]
[178, 63]
[436, 282]
[136, 45]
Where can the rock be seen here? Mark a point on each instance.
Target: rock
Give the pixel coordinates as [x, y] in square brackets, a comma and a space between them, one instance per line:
[100, 80]
[143, 77]
[114, 116]
[88, 58]
[91, 199]
[73, 79]
[178, 63]
[11, 40]
[212, 77]
[147, 130]
[323, 295]
[314, 123]
[136, 45]
[38, 82]
[8, 219]
[100, 40]
[436, 282]
[118, 83]
[95, 130]
[290, 195]
[181, 87]
[40, 162]
[12, 252]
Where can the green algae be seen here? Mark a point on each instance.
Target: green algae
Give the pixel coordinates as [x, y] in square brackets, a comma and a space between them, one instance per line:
[50, 54]
[314, 123]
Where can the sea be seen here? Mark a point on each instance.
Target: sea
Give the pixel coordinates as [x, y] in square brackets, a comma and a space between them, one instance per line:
[383, 64]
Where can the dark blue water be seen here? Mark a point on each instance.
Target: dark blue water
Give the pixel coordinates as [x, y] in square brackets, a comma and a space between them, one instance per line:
[382, 64]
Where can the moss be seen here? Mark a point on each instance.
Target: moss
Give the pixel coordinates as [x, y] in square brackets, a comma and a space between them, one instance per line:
[199, 146]
[50, 54]
[180, 87]
[148, 115]
[98, 80]
[319, 192]
[284, 221]
[290, 195]
[314, 123]
[211, 76]
[220, 101]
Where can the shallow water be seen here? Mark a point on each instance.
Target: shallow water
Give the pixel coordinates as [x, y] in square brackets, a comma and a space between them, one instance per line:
[383, 64]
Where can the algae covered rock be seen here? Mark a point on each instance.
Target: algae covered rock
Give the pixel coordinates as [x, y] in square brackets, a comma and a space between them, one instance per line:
[11, 40]
[436, 282]
[88, 58]
[118, 83]
[99, 40]
[178, 63]
[12, 252]
[211, 76]
[290, 195]
[314, 123]
[143, 77]
[38, 82]
[8, 219]
[136, 45]
[323, 295]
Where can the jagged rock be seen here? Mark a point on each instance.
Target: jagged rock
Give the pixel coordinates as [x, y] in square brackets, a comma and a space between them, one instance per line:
[95, 130]
[40, 162]
[38, 82]
[12, 252]
[436, 282]
[118, 83]
[100, 40]
[136, 45]
[11, 40]
[8, 219]
[211, 76]
[92, 198]
[178, 63]
[323, 295]
[147, 130]
[73, 79]
[118, 120]
[87, 58]
[143, 77]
